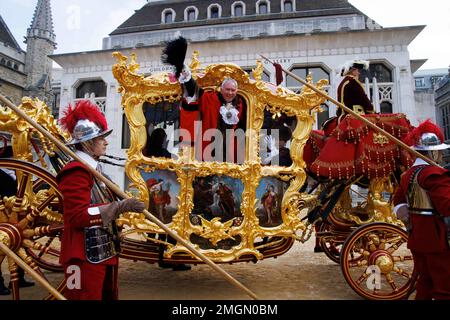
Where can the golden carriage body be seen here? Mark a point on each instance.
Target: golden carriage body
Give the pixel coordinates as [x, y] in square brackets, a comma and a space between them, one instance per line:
[245, 234]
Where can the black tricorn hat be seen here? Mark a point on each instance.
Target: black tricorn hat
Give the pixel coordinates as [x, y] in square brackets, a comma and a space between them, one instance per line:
[354, 64]
[175, 53]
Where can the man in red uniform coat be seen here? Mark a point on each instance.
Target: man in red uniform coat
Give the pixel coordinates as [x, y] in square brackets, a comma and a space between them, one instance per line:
[423, 202]
[224, 111]
[89, 244]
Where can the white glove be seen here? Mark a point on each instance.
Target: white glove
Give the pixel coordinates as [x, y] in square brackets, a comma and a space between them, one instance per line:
[185, 75]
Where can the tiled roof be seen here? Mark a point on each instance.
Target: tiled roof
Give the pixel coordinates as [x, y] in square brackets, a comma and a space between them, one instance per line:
[148, 18]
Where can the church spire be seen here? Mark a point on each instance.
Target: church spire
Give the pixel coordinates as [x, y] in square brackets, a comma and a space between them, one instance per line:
[42, 24]
[41, 43]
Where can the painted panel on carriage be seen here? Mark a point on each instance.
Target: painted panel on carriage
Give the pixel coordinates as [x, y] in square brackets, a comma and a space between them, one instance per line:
[217, 197]
[217, 202]
[269, 195]
[163, 189]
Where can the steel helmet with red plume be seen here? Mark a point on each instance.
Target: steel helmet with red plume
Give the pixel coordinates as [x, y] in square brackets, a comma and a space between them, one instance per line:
[84, 122]
[426, 137]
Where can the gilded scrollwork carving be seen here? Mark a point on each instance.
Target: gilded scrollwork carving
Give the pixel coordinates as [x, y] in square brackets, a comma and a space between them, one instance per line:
[195, 62]
[22, 132]
[259, 96]
[375, 208]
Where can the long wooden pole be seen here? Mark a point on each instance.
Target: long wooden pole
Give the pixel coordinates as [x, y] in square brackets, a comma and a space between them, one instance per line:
[123, 195]
[36, 276]
[350, 111]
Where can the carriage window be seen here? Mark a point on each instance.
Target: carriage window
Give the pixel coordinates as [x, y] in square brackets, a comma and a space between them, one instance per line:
[223, 115]
[162, 122]
[275, 139]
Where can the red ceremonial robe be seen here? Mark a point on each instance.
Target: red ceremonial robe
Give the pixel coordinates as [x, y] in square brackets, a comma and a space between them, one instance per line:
[428, 238]
[207, 110]
[75, 183]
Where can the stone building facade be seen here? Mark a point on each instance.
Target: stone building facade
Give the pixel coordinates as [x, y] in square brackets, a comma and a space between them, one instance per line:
[12, 65]
[442, 96]
[304, 36]
[28, 73]
[425, 83]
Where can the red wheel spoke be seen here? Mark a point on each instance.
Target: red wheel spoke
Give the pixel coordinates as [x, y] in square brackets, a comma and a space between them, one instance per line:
[22, 186]
[362, 278]
[402, 258]
[46, 246]
[37, 183]
[391, 282]
[402, 272]
[395, 246]
[29, 261]
[357, 263]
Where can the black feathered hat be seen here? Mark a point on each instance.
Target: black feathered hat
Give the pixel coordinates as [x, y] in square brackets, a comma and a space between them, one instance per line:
[175, 53]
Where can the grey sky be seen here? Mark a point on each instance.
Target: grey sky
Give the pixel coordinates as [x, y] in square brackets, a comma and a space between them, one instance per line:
[80, 25]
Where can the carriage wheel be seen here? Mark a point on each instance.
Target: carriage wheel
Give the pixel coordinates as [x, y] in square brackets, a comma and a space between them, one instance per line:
[331, 244]
[376, 262]
[31, 220]
[334, 233]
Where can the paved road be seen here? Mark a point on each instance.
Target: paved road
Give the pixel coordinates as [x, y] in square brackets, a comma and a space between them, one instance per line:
[300, 274]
